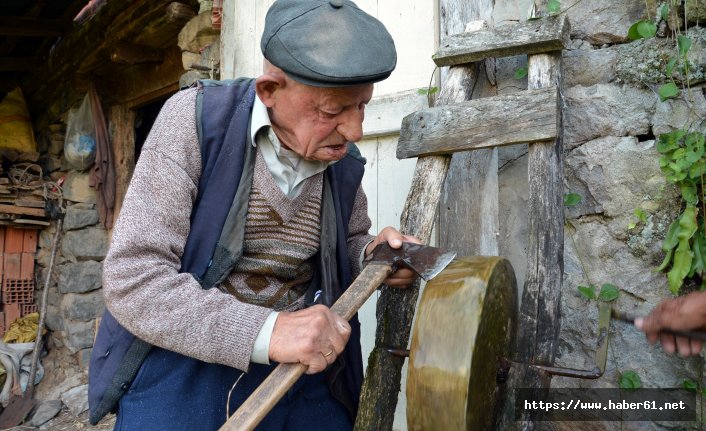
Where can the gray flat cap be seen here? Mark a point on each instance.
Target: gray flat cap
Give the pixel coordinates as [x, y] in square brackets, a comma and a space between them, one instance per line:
[327, 43]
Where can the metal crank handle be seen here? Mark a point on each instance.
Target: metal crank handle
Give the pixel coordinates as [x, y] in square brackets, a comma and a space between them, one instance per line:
[282, 378]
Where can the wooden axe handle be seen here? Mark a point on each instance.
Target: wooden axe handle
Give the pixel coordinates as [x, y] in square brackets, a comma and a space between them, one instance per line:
[273, 388]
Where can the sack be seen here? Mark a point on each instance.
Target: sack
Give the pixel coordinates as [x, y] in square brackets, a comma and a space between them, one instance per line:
[80, 140]
[15, 125]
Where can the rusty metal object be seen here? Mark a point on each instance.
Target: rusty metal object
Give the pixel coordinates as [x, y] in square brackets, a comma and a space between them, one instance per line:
[465, 325]
[601, 351]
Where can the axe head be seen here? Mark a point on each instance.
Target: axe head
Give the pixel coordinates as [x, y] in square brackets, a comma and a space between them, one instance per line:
[426, 261]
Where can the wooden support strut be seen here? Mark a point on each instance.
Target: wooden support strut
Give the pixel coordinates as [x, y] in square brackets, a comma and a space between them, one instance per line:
[395, 307]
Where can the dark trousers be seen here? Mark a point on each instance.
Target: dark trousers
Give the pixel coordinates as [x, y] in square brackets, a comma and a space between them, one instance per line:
[174, 392]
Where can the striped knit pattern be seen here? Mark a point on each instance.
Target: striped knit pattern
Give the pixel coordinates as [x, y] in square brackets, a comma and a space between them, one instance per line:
[282, 235]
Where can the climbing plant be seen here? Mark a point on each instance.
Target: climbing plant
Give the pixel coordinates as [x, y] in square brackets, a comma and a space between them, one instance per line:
[681, 160]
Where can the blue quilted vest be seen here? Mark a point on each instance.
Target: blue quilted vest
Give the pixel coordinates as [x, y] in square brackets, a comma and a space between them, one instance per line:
[215, 240]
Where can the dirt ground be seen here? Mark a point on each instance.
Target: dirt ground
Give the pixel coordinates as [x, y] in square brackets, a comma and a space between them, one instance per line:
[62, 371]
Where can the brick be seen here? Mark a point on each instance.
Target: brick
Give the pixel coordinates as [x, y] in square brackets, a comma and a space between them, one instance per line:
[26, 309]
[2, 239]
[27, 266]
[14, 238]
[12, 313]
[12, 265]
[17, 291]
[29, 244]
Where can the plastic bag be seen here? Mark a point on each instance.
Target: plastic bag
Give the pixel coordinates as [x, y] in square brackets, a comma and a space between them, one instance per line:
[80, 141]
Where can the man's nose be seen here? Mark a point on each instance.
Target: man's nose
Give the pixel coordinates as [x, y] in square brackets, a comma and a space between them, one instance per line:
[350, 125]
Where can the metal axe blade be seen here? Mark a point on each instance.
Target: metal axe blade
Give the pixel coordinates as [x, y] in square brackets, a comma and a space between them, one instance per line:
[424, 260]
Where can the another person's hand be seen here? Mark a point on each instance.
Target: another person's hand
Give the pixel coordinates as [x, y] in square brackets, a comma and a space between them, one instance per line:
[314, 336]
[403, 277]
[680, 314]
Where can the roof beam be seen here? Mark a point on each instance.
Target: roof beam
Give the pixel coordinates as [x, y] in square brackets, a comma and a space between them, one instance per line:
[28, 27]
[19, 64]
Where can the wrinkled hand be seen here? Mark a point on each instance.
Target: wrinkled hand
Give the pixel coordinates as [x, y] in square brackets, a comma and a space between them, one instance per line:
[403, 277]
[314, 336]
[680, 314]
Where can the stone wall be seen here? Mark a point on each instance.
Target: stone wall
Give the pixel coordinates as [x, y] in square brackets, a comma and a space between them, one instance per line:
[612, 114]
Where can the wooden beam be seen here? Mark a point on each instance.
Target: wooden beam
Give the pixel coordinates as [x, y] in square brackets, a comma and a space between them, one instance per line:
[132, 53]
[16, 64]
[12, 209]
[527, 116]
[21, 26]
[531, 37]
[179, 13]
[137, 81]
[115, 21]
[121, 120]
[539, 320]
[395, 307]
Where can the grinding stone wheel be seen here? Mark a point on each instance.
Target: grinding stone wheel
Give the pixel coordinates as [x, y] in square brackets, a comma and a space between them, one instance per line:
[465, 323]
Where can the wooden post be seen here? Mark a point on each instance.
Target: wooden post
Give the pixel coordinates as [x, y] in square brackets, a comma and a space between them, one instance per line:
[468, 214]
[395, 307]
[538, 327]
[122, 133]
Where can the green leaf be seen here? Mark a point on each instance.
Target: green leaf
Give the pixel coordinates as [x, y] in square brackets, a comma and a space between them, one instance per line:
[667, 260]
[640, 214]
[689, 194]
[671, 240]
[572, 199]
[670, 67]
[520, 72]
[588, 291]
[433, 90]
[646, 28]
[668, 91]
[633, 33]
[664, 12]
[681, 265]
[697, 264]
[684, 43]
[697, 169]
[608, 293]
[629, 380]
[553, 6]
[690, 385]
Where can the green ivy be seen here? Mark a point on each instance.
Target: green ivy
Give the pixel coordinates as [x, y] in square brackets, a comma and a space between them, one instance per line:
[608, 292]
[683, 163]
[629, 380]
[572, 199]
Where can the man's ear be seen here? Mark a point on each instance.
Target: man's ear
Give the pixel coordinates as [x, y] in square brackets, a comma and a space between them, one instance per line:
[267, 86]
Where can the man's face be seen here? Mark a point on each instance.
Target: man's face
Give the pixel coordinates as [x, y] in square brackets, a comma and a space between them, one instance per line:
[317, 122]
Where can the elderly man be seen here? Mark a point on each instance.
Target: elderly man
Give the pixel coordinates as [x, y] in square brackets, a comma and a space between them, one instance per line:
[244, 221]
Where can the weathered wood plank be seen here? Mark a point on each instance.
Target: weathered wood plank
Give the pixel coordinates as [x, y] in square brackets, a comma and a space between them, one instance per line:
[531, 37]
[121, 122]
[12, 209]
[528, 116]
[539, 323]
[395, 307]
[124, 52]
